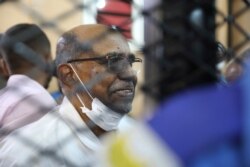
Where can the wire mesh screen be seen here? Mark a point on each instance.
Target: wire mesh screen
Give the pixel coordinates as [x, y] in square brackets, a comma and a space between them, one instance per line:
[180, 37]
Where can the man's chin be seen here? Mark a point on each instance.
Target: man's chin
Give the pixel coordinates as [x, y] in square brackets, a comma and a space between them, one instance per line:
[122, 108]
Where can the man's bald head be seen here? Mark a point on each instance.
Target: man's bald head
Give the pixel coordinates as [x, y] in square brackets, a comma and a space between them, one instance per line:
[84, 64]
[84, 40]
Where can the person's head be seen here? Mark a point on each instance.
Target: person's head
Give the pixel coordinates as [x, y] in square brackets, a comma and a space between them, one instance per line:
[230, 67]
[111, 78]
[26, 49]
[234, 68]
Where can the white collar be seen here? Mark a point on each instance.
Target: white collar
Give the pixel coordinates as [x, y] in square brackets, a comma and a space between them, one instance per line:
[73, 119]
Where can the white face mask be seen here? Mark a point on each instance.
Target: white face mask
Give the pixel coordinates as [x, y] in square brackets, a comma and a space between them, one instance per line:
[100, 114]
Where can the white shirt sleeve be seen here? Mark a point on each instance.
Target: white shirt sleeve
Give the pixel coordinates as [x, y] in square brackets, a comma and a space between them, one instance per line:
[27, 110]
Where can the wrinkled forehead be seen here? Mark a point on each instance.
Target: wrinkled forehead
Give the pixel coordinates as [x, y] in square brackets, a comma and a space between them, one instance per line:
[113, 43]
[105, 43]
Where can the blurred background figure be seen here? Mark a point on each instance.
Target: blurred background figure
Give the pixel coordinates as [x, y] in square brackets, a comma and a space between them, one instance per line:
[3, 75]
[230, 69]
[26, 59]
[235, 67]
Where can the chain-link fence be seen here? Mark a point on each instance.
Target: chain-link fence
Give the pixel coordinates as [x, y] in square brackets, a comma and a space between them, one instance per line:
[177, 41]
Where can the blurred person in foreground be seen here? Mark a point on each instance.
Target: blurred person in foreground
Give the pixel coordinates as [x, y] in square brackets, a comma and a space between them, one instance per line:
[95, 71]
[26, 57]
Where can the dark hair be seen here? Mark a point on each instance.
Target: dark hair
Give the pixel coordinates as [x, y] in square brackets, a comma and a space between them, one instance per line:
[221, 52]
[25, 46]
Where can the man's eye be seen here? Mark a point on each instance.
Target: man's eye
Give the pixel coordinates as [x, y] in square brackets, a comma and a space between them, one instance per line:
[115, 59]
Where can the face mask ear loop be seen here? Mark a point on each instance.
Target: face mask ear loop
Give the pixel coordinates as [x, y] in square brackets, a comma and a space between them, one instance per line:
[81, 83]
[80, 100]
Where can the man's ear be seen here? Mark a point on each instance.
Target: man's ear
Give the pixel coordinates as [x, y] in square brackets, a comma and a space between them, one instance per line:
[66, 75]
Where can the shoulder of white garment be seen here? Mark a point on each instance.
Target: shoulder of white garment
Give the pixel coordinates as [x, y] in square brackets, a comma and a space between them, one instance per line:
[24, 82]
[24, 144]
[53, 131]
[21, 86]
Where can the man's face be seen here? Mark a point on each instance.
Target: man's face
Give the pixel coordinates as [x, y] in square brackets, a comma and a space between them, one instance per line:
[113, 84]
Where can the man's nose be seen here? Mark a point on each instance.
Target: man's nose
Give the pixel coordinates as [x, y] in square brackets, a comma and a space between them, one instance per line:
[128, 74]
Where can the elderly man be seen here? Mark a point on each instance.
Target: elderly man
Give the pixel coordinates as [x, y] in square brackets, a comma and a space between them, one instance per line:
[26, 55]
[94, 66]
